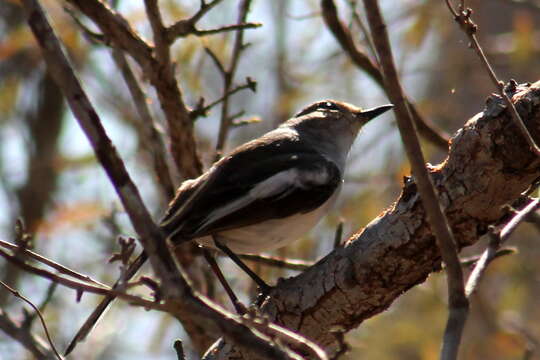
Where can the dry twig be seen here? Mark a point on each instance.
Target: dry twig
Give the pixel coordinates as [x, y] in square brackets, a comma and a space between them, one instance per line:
[497, 238]
[463, 18]
[42, 259]
[179, 298]
[45, 329]
[363, 61]
[228, 77]
[457, 301]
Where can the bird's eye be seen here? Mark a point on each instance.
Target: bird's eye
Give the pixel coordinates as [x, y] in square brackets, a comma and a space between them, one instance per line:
[323, 105]
[328, 105]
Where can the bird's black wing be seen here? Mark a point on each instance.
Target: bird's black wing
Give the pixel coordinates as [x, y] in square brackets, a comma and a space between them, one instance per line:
[258, 182]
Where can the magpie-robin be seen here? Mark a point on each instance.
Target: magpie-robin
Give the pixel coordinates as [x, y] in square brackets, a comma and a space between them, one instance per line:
[266, 192]
[271, 190]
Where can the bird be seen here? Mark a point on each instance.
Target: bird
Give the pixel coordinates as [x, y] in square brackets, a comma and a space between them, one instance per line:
[265, 193]
[271, 190]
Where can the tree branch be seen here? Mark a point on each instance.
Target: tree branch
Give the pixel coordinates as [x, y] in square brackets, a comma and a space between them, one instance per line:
[188, 26]
[117, 30]
[343, 35]
[463, 18]
[42, 259]
[180, 299]
[397, 250]
[228, 77]
[497, 238]
[202, 109]
[149, 134]
[457, 301]
[34, 344]
[160, 74]
[45, 329]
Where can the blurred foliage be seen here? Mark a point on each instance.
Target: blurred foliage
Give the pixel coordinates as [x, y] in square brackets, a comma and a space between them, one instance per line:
[295, 61]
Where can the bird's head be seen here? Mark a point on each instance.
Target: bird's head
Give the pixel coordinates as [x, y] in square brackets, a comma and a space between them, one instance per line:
[329, 114]
[331, 126]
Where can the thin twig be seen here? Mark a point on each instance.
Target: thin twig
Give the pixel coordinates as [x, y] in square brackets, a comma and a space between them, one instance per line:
[150, 136]
[117, 30]
[343, 35]
[183, 26]
[94, 317]
[482, 263]
[174, 285]
[227, 28]
[203, 110]
[46, 300]
[473, 260]
[518, 219]
[47, 334]
[360, 23]
[161, 43]
[286, 335]
[463, 18]
[61, 268]
[458, 302]
[180, 127]
[228, 77]
[188, 26]
[37, 346]
[496, 239]
[170, 96]
[215, 60]
[80, 287]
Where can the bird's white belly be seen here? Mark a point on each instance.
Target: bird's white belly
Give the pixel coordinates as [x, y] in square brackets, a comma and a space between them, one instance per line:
[270, 234]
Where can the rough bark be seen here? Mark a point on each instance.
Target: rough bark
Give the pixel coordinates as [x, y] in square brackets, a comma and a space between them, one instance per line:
[488, 165]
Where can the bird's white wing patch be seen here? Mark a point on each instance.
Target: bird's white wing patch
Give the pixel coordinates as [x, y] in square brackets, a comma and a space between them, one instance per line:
[279, 185]
[274, 185]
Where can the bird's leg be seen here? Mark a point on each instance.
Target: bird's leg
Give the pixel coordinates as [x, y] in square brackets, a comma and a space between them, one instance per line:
[239, 307]
[263, 286]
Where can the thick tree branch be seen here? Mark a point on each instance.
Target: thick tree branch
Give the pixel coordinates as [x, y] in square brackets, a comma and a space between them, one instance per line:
[149, 135]
[160, 73]
[179, 297]
[117, 30]
[489, 165]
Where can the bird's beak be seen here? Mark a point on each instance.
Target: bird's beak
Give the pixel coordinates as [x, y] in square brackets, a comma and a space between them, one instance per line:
[368, 114]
